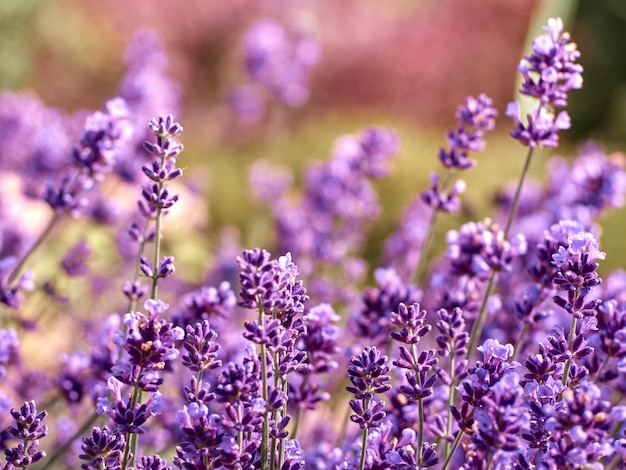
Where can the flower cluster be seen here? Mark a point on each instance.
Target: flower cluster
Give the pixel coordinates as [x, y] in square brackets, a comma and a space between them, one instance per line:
[504, 352]
[549, 73]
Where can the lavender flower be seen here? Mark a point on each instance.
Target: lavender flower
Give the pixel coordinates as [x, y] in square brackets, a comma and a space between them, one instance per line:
[474, 118]
[201, 348]
[576, 272]
[270, 284]
[104, 449]
[28, 430]
[440, 201]
[150, 341]
[480, 248]
[368, 374]
[549, 73]
[101, 143]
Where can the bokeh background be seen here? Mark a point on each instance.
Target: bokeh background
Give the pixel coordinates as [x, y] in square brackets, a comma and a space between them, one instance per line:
[405, 64]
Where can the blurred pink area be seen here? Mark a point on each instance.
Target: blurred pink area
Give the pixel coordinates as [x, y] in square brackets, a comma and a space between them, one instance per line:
[419, 59]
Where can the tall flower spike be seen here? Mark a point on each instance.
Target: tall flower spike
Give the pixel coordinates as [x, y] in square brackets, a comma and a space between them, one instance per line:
[549, 73]
[475, 117]
[28, 429]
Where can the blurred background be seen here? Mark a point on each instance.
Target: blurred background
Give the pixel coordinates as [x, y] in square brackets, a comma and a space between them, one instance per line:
[404, 64]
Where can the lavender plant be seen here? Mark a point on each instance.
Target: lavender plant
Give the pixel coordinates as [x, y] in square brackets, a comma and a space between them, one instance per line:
[506, 352]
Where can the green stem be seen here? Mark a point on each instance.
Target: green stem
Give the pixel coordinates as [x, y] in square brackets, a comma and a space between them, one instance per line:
[451, 396]
[17, 269]
[364, 440]
[572, 332]
[131, 438]
[420, 430]
[296, 420]
[426, 245]
[518, 192]
[344, 427]
[490, 461]
[456, 443]
[420, 408]
[480, 319]
[265, 433]
[520, 340]
[157, 243]
[432, 223]
[478, 324]
[283, 412]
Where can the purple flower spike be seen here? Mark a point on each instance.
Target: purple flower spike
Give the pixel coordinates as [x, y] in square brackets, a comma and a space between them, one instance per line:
[104, 449]
[478, 112]
[153, 463]
[410, 320]
[27, 429]
[550, 72]
[201, 348]
[368, 373]
[478, 248]
[542, 128]
[493, 349]
[438, 200]
[474, 118]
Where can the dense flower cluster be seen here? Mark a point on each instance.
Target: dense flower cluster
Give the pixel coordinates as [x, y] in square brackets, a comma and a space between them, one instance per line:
[505, 352]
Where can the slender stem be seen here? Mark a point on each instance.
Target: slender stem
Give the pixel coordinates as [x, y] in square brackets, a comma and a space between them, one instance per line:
[570, 340]
[526, 326]
[426, 245]
[451, 396]
[157, 242]
[64, 448]
[344, 427]
[518, 191]
[240, 431]
[490, 461]
[432, 223]
[480, 319]
[456, 443]
[478, 324]
[46, 232]
[142, 246]
[131, 438]
[614, 463]
[281, 449]
[265, 427]
[296, 420]
[420, 408]
[520, 340]
[364, 440]
[17, 269]
[420, 429]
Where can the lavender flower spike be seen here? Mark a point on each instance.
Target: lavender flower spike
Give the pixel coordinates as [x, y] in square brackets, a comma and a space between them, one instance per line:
[28, 429]
[549, 73]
